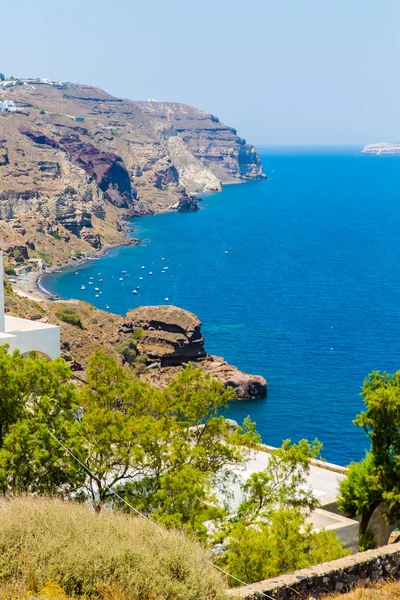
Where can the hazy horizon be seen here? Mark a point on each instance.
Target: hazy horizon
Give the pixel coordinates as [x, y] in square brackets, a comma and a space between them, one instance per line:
[282, 74]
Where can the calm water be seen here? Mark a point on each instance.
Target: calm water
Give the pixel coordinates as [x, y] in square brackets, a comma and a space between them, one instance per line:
[308, 294]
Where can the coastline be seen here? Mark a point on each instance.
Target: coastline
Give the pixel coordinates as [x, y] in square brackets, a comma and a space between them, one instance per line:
[32, 280]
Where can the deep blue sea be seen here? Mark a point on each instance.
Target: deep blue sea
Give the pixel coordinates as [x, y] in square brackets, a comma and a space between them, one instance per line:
[308, 294]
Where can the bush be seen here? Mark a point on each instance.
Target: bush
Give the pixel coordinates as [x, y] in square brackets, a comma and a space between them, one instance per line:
[56, 235]
[42, 112]
[70, 316]
[18, 256]
[9, 270]
[106, 555]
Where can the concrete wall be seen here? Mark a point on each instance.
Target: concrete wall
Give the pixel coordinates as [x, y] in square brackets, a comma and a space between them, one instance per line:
[30, 335]
[336, 576]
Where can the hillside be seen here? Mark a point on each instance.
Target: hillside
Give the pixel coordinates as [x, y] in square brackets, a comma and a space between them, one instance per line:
[76, 161]
[52, 546]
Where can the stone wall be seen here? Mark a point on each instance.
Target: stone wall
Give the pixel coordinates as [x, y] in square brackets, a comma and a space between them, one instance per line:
[338, 576]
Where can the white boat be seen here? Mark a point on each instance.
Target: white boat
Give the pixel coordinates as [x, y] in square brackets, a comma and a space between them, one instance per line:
[90, 282]
[107, 306]
[76, 272]
[134, 292]
[226, 252]
[163, 259]
[124, 271]
[140, 277]
[100, 280]
[97, 295]
[121, 278]
[90, 277]
[150, 273]
[83, 287]
[138, 287]
[166, 299]
[143, 267]
[165, 268]
[97, 289]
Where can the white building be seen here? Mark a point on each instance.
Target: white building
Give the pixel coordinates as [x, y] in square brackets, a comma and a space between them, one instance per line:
[24, 335]
[7, 105]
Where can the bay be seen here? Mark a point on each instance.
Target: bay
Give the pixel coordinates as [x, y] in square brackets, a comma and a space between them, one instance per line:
[295, 278]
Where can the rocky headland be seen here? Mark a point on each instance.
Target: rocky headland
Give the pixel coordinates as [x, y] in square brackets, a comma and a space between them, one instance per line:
[76, 162]
[384, 148]
[155, 341]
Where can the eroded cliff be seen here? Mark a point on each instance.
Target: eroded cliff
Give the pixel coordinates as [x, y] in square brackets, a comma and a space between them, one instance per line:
[79, 161]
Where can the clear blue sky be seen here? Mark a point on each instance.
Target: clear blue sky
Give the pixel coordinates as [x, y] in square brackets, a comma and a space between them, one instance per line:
[281, 72]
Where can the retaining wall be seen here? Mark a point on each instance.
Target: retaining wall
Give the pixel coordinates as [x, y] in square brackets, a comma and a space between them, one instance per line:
[336, 576]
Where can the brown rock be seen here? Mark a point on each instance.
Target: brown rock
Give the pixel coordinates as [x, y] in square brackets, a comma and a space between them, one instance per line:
[91, 238]
[171, 335]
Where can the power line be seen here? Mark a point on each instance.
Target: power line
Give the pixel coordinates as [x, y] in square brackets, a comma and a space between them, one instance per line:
[140, 514]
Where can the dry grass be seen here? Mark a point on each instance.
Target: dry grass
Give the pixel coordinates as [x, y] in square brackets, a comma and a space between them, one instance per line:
[109, 556]
[386, 591]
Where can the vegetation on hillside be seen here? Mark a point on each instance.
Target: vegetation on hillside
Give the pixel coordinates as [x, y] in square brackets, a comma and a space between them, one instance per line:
[167, 453]
[70, 316]
[109, 556]
[386, 591]
[375, 481]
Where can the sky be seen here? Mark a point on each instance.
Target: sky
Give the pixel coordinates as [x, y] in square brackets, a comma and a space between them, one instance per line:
[282, 72]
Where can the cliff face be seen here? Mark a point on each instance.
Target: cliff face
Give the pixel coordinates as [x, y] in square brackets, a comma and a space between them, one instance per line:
[82, 160]
[215, 145]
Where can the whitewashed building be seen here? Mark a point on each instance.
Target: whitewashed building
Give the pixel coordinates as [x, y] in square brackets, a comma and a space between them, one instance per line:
[25, 335]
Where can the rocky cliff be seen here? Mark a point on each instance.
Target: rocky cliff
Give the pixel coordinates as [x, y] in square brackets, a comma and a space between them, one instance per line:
[81, 161]
[172, 337]
[156, 341]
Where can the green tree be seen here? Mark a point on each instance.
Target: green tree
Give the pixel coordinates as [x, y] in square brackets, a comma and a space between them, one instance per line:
[283, 543]
[269, 534]
[2, 77]
[161, 449]
[36, 400]
[376, 479]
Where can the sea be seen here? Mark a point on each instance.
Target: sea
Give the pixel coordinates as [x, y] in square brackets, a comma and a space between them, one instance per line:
[296, 278]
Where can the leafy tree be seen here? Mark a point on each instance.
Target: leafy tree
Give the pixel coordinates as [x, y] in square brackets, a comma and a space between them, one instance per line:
[166, 451]
[2, 77]
[36, 400]
[269, 534]
[162, 449]
[376, 479]
[283, 543]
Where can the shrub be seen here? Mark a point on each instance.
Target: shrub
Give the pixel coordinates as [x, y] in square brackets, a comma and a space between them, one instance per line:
[56, 235]
[70, 316]
[18, 256]
[42, 112]
[92, 554]
[9, 270]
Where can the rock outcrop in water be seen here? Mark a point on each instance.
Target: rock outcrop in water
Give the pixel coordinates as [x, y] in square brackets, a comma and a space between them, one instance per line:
[172, 337]
[382, 148]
